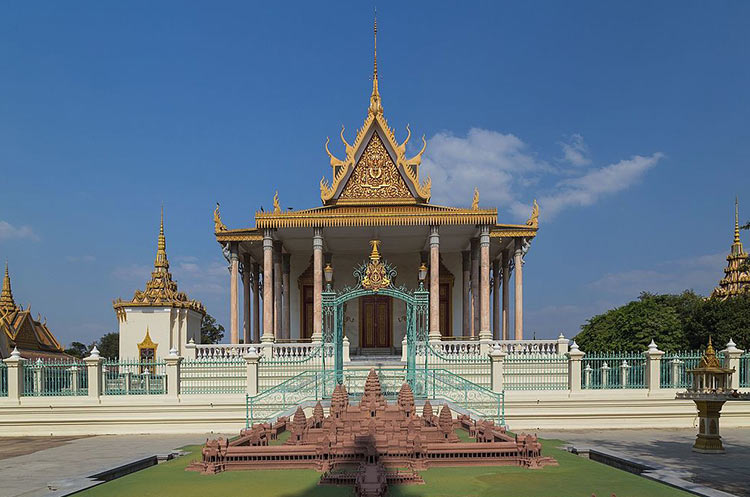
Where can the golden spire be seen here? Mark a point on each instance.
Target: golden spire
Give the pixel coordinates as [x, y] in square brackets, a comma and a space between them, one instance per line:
[161, 263]
[7, 303]
[736, 220]
[375, 105]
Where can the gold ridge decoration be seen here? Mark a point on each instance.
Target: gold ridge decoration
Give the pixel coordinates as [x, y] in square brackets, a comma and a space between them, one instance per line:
[7, 304]
[276, 206]
[407, 167]
[736, 280]
[533, 221]
[475, 200]
[376, 274]
[160, 290]
[218, 225]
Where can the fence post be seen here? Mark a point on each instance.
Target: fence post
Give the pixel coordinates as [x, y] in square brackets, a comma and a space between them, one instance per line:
[74, 383]
[497, 363]
[346, 349]
[562, 345]
[15, 375]
[605, 375]
[676, 372]
[173, 364]
[732, 361]
[625, 373]
[653, 367]
[575, 356]
[252, 359]
[191, 352]
[38, 372]
[94, 372]
[404, 346]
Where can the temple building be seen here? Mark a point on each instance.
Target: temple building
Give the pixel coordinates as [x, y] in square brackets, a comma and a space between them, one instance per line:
[375, 193]
[160, 318]
[18, 329]
[736, 280]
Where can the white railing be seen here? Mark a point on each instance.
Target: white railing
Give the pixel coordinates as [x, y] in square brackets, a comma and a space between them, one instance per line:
[221, 350]
[546, 347]
[457, 347]
[294, 350]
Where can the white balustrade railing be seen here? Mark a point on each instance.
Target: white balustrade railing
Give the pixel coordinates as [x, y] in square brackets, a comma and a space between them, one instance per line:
[221, 350]
[541, 347]
[457, 347]
[294, 350]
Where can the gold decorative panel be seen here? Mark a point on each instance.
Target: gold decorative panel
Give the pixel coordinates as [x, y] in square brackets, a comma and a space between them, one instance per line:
[375, 176]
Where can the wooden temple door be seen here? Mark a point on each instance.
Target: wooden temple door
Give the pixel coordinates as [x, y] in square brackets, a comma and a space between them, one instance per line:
[375, 322]
[306, 324]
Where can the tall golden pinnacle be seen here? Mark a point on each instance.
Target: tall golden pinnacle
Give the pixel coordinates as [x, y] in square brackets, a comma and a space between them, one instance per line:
[736, 220]
[376, 106]
[161, 261]
[7, 303]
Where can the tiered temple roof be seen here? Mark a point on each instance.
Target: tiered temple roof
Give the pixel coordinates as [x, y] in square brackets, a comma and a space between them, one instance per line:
[18, 329]
[160, 291]
[736, 280]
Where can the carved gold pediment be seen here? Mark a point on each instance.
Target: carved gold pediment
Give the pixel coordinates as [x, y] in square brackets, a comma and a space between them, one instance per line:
[375, 176]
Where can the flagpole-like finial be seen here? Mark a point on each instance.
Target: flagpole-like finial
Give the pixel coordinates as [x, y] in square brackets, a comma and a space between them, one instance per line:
[736, 220]
[375, 105]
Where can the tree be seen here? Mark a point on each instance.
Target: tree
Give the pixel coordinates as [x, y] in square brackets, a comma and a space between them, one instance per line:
[109, 345]
[211, 331]
[721, 320]
[78, 350]
[661, 318]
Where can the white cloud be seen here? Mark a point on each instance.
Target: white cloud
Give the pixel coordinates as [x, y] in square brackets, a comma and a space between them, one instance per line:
[199, 279]
[133, 272]
[509, 174]
[10, 232]
[575, 151]
[700, 273]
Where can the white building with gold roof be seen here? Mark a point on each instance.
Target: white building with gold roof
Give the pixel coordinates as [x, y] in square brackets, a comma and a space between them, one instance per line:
[376, 194]
[160, 317]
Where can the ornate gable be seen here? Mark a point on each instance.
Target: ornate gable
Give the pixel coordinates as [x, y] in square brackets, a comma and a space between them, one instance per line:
[375, 151]
[375, 177]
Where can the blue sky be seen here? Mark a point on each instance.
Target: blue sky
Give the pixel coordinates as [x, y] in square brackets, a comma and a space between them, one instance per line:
[627, 121]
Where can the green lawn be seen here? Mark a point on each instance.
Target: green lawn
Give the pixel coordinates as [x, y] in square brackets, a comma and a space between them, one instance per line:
[575, 477]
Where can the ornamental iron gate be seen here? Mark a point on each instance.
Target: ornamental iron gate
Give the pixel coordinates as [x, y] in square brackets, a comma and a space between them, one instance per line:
[376, 277]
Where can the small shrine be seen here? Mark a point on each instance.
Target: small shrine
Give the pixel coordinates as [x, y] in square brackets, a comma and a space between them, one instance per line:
[710, 389]
[372, 444]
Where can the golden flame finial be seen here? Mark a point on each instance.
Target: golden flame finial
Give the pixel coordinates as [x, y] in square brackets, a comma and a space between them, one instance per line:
[6, 296]
[218, 225]
[475, 200]
[533, 221]
[376, 106]
[276, 205]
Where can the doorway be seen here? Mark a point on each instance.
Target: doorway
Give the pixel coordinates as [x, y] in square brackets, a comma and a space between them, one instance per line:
[375, 321]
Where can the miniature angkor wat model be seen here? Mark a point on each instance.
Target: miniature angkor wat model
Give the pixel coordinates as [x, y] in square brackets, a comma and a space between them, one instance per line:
[359, 444]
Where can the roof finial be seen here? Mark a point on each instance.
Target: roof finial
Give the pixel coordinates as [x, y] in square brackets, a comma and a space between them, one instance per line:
[736, 220]
[375, 105]
[6, 296]
[161, 247]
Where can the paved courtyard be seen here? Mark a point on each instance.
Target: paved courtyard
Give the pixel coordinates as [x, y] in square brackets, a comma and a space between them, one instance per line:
[670, 449]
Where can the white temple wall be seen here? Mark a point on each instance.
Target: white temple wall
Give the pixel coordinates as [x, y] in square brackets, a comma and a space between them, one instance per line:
[168, 327]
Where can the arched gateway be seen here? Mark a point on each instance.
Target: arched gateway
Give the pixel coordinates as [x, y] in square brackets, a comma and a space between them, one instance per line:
[376, 277]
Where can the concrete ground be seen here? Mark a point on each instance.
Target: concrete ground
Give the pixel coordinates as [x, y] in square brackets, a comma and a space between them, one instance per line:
[671, 449]
[47, 466]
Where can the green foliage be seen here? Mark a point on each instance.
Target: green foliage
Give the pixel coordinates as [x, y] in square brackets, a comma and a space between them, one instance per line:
[211, 331]
[109, 345]
[77, 349]
[674, 322]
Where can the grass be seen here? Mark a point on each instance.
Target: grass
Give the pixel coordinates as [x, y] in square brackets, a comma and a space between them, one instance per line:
[575, 477]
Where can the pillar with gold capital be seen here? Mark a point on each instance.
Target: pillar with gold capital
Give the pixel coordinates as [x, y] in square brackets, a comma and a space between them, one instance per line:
[518, 265]
[475, 286]
[234, 307]
[246, 301]
[506, 295]
[497, 332]
[466, 288]
[256, 301]
[484, 284]
[286, 316]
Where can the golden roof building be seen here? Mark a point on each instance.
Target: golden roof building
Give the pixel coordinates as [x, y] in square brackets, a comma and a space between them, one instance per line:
[736, 280]
[375, 193]
[160, 317]
[18, 329]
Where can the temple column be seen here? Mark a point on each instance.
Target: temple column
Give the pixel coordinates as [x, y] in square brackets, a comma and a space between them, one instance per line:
[466, 279]
[317, 335]
[256, 302]
[267, 287]
[497, 332]
[484, 284]
[475, 286]
[246, 283]
[434, 284]
[506, 294]
[277, 290]
[234, 307]
[518, 264]
[286, 313]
